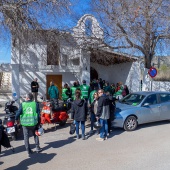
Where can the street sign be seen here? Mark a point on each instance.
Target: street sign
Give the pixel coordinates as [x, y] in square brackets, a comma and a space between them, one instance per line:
[152, 72]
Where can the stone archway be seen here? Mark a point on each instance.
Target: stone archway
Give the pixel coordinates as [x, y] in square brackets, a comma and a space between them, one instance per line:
[93, 74]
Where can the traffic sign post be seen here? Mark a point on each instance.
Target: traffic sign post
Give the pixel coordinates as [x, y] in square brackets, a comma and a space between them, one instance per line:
[152, 72]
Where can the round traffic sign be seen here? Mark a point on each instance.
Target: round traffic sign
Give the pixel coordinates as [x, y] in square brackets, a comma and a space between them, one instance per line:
[152, 72]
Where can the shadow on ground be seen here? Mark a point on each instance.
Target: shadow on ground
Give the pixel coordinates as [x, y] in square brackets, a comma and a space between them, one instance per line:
[35, 158]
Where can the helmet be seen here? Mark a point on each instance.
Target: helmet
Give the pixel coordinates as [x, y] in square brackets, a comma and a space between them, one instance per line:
[39, 132]
[97, 125]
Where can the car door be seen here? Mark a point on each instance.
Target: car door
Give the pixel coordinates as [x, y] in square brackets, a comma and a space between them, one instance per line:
[150, 110]
[165, 106]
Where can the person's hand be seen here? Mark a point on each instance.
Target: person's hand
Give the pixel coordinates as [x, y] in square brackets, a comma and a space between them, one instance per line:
[97, 118]
[17, 122]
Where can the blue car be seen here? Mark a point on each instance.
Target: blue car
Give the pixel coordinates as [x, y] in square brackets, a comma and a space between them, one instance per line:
[141, 107]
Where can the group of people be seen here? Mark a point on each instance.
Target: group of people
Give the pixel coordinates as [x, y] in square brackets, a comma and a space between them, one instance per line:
[101, 106]
[96, 98]
[99, 99]
[118, 91]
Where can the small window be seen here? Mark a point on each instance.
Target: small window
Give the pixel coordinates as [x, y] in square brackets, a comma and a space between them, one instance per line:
[76, 61]
[152, 99]
[52, 54]
[164, 98]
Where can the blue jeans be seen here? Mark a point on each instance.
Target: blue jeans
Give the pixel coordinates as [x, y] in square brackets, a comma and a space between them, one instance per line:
[82, 127]
[92, 119]
[104, 128]
[26, 131]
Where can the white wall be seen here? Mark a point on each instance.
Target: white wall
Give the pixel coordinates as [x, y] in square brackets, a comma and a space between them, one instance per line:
[127, 73]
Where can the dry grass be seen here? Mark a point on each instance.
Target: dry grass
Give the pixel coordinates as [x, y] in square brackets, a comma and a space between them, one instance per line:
[162, 76]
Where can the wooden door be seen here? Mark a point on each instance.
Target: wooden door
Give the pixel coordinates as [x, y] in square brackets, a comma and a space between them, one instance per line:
[57, 79]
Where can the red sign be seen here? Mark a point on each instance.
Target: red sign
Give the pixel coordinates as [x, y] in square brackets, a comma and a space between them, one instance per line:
[152, 72]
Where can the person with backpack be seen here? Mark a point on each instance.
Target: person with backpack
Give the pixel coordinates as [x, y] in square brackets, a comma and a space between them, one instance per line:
[53, 92]
[29, 115]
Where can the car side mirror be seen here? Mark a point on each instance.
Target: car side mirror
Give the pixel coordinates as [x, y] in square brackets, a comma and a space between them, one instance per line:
[146, 104]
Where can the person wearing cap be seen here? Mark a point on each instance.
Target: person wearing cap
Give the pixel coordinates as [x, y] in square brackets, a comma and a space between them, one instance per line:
[85, 90]
[29, 115]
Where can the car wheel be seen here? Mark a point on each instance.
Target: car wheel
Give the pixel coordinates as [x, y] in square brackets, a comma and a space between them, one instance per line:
[130, 123]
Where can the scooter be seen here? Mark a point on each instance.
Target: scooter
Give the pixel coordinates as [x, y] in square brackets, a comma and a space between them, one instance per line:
[9, 119]
[10, 126]
[10, 107]
[53, 115]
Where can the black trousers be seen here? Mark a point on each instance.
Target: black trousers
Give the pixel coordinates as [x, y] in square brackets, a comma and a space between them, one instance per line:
[26, 131]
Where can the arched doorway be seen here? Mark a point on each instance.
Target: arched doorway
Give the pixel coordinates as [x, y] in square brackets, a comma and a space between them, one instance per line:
[93, 74]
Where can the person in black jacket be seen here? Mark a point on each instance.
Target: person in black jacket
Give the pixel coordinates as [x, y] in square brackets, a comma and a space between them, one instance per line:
[79, 113]
[112, 106]
[34, 88]
[103, 114]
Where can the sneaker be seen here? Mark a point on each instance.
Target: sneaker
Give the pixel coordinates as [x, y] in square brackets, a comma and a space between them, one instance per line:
[84, 138]
[38, 149]
[78, 137]
[106, 138]
[100, 139]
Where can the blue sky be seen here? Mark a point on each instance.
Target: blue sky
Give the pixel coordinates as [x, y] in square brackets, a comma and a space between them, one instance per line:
[80, 8]
[5, 51]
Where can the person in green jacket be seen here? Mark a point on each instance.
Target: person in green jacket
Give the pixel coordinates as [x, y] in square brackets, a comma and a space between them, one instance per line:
[73, 90]
[85, 90]
[29, 115]
[91, 96]
[66, 92]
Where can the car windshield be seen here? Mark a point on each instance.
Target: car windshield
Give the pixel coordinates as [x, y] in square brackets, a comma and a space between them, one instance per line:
[133, 99]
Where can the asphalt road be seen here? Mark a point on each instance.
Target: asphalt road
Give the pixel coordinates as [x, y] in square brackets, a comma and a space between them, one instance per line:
[146, 148]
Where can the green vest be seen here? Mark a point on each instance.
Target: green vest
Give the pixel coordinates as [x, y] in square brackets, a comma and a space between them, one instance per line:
[29, 117]
[73, 90]
[91, 98]
[85, 91]
[64, 95]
